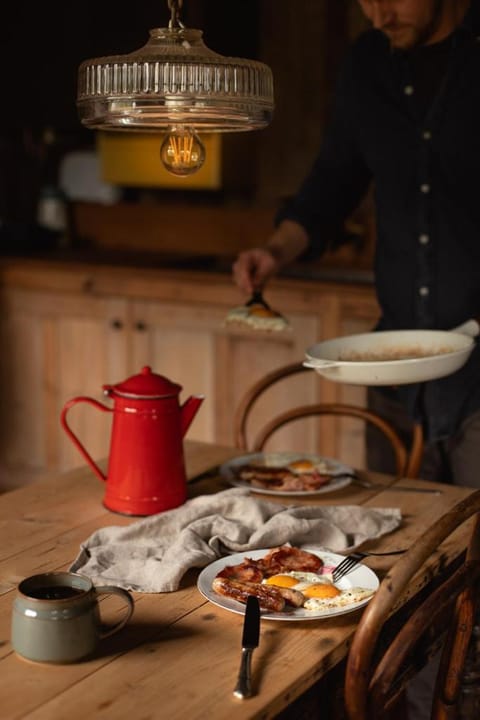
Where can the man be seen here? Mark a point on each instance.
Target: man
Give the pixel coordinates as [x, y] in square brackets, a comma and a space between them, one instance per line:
[407, 119]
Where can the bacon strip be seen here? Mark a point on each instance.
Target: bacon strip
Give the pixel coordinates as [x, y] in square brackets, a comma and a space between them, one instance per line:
[247, 571]
[281, 478]
[240, 581]
[287, 558]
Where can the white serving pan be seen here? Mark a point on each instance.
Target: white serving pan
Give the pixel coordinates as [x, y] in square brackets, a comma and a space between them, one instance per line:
[441, 352]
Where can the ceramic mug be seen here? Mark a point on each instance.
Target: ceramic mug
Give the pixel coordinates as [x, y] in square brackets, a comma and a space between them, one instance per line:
[56, 617]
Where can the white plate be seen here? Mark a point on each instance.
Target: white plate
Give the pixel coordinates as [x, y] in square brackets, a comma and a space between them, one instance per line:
[362, 576]
[227, 471]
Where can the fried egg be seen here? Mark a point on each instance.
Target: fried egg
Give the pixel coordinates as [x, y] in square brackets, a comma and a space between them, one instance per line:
[344, 597]
[257, 317]
[306, 466]
[301, 466]
[308, 583]
[319, 591]
[297, 464]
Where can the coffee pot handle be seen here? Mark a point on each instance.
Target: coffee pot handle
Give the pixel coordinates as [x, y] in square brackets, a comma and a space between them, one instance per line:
[73, 437]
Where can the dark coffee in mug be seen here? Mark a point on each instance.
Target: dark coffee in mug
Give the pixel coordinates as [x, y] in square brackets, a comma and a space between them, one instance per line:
[54, 592]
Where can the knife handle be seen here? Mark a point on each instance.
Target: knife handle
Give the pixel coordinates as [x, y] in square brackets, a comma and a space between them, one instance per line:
[243, 688]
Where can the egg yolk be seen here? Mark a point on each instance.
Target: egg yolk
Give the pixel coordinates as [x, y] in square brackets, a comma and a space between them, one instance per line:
[260, 311]
[281, 581]
[301, 465]
[321, 590]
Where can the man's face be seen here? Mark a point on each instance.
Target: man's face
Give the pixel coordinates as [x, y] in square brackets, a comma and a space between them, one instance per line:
[406, 23]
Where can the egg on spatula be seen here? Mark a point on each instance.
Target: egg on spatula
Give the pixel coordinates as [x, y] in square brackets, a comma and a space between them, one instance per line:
[257, 315]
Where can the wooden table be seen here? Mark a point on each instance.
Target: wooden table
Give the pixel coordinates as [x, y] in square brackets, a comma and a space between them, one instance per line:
[179, 656]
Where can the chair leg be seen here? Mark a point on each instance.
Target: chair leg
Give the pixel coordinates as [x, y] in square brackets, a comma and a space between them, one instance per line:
[452, 666]
[416, 452]
[469, 701]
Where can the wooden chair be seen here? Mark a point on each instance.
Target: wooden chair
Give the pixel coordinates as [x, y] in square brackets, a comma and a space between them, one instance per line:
[407, 462]
[378, 669]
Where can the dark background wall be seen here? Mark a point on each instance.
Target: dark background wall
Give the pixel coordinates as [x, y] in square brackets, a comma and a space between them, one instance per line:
[41, 47]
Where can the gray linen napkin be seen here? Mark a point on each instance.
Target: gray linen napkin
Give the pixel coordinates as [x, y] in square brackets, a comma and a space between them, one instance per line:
[154, 553]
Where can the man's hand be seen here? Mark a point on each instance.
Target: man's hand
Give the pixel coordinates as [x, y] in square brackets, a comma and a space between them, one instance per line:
[253, 268]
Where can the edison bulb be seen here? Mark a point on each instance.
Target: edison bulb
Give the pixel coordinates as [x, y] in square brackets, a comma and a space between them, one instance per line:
[182, 152]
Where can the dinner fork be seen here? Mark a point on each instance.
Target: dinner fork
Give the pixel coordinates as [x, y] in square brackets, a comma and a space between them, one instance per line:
[353, 559]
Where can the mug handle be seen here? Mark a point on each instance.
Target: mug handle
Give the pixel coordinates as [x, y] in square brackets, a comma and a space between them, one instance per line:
[109, 590]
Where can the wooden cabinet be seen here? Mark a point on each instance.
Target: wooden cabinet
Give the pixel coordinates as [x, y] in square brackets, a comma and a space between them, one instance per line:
[68, 331]
[56, 346]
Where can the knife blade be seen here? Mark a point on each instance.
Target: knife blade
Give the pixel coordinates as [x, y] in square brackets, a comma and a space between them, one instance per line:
[378, 486]
[250, 639]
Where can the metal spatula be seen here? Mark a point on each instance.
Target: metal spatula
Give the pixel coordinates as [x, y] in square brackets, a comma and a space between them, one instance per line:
[258, 299]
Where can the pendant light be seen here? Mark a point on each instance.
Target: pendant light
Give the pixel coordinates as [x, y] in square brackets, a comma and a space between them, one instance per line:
[177, 85]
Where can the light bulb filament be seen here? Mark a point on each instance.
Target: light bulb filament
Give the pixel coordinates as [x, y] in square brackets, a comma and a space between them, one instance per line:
[182, 149]
[182, 152]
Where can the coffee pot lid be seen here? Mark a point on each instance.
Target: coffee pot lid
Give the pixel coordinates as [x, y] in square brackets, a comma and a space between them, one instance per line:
[146, 384]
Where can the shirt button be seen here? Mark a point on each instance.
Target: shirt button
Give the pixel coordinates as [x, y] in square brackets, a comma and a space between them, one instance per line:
[427, 135]
[424, 291]
[424, 239]
[408, 89]
[425, 188]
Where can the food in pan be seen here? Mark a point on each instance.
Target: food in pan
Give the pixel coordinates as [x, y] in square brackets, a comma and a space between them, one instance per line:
[387, 354]
[284, 579]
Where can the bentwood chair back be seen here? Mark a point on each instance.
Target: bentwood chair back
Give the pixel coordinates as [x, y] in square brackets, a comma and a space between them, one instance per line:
[379, 666]
[407, 461]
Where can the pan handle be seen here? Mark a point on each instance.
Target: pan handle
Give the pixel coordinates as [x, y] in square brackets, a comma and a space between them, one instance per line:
[319, 363]
[470, 327]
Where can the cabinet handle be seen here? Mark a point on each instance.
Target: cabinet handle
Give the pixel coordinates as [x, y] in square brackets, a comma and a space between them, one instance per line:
[116, 324]
[140, 326]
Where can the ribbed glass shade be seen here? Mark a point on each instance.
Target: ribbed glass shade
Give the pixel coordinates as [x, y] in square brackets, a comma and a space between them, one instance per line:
[174, 79]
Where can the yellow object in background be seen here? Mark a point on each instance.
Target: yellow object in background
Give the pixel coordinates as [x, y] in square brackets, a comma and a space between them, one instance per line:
[133, 159]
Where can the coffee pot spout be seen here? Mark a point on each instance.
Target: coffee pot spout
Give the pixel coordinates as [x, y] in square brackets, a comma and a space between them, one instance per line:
[189, 410]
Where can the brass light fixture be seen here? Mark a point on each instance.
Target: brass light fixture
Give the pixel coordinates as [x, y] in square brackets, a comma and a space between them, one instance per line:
[177, 85]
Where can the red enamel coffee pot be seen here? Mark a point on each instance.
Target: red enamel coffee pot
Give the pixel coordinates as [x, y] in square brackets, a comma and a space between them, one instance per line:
[146, 466]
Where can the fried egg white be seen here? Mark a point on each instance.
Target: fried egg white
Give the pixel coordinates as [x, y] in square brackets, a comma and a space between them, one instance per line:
[306, 465]
[319, 591]
[345, 597]
[257, 317]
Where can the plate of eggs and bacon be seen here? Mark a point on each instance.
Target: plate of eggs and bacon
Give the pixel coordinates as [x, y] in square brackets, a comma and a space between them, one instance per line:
[287, 473]
[290, 583]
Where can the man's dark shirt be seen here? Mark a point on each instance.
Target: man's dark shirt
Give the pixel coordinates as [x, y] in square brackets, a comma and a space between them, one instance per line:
[423, 155]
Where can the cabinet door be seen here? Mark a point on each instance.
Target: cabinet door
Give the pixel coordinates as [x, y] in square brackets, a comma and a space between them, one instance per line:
[59, 346]
[192, 346]
[179, 341]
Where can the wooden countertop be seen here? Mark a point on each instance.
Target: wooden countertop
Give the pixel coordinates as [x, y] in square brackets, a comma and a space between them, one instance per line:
[172, 280]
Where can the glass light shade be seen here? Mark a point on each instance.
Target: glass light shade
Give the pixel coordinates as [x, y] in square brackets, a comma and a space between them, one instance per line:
[174, 80]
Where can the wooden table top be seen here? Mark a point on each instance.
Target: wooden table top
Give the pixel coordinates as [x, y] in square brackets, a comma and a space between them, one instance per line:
[179, 655]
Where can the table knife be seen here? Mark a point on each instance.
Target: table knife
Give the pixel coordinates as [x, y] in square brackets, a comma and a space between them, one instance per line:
[405, 488]
[250, 638]
[379, 486]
